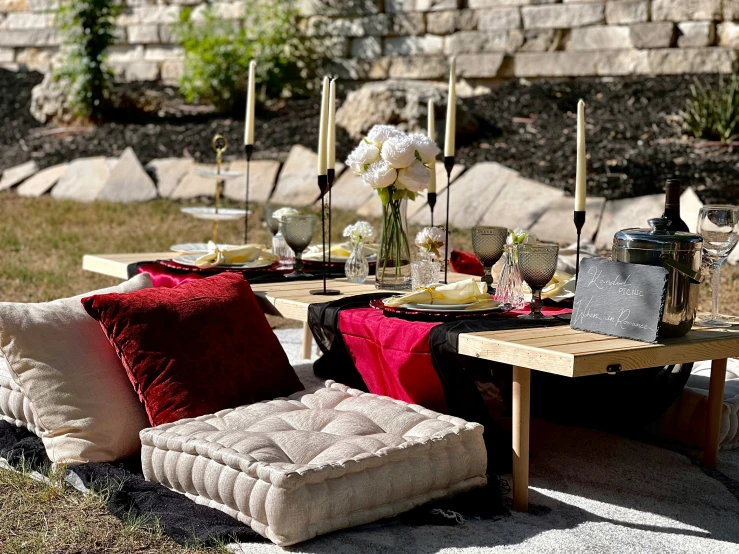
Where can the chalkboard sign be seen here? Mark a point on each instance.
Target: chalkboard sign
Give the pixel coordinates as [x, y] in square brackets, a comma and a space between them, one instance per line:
[619, 299]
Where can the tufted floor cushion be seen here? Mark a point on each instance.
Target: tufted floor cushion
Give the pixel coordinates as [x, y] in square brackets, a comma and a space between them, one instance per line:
[298, 467]
[15, 407]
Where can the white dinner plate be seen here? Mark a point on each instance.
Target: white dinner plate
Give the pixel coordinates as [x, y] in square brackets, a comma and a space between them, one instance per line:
[209, 213]
[193, 247]
[190, 259]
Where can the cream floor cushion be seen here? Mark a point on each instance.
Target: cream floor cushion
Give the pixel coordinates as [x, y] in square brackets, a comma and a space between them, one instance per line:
[61, 360]
[15, 408]
[316, 462]
[685, 421]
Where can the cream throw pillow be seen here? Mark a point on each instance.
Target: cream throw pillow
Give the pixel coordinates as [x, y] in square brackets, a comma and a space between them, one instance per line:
[62, 361]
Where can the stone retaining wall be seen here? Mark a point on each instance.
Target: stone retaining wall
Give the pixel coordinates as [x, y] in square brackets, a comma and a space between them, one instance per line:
[377, 39]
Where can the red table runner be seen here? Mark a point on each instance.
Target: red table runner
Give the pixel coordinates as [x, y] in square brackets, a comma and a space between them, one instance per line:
[393, 356]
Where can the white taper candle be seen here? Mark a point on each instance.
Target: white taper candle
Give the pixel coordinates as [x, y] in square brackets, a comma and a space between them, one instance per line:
[580, 176]
[432, 136]
[322, 128]
[331, 154]
[451, 110]
[250, 102]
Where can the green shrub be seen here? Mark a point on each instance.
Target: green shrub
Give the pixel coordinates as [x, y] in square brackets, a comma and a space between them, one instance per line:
[218, 52]
[87, 26]
[713, 114]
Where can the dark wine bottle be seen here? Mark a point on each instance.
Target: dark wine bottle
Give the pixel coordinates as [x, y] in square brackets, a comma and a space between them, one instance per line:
[672, 206]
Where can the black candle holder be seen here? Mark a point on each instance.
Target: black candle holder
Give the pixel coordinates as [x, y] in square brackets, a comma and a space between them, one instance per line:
[432, 204]
[579, 218]
[448, 165]
[248, 151]
[325, 187]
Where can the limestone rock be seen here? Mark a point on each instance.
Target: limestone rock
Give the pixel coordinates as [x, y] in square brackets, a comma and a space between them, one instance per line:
[50, 101]
[502, 18]
[15, 175]
[422, 215]
[297, 184]
[686, 10]
[556, 223]
[408, 24]
[619, 13]
[562, 16]
[168, 172]
[696, 34]
[128, 181]
[402, 103]
[627, 213]
[599, 37]
[692, 60]
[652, 35]
[337, 7]
[195, 185]
[83, 180]
[262, 177]
[418, 67]
[350, 192]
[479, 66]
[408, 46]
[476, 41]
[43, 181]
[728, 35]
[690, 205]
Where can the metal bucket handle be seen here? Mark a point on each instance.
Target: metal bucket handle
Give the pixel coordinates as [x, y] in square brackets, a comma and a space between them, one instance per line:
[694, 276]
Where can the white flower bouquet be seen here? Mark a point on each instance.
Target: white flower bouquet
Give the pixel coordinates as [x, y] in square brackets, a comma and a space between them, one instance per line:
[359, 232]
[396, 165]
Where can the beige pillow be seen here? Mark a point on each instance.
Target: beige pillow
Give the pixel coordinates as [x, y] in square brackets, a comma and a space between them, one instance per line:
[62, 361]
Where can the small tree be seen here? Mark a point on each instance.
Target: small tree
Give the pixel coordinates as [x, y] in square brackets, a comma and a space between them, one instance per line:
[88, 27]
[218, 52]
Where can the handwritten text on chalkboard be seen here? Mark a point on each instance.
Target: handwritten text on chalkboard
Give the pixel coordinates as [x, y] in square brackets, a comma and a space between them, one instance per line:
[619, 299]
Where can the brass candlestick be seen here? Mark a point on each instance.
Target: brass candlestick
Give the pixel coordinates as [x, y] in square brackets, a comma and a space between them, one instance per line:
[220, 145]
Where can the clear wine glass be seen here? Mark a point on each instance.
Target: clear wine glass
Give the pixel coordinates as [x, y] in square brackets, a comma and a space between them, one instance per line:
[488, 244]
[719, 227]
[298, 232]
[537, 263]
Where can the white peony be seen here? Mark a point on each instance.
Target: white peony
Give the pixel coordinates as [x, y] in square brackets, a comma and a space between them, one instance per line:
[416, 177]
[361, 231]
[362, 156]
[425, 147]
[380, 175]
[430, 239]
[379, 134]
[399, 152]
[282, 212]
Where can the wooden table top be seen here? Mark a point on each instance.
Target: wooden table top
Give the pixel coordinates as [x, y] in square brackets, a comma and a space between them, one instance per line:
[572, 353]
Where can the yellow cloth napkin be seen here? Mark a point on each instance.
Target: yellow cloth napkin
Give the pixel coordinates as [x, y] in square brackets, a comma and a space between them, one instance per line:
[462, 292]
[234, 255]
[561, 286]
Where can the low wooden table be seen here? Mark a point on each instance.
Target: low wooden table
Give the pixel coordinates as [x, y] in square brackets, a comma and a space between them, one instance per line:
[571, 353]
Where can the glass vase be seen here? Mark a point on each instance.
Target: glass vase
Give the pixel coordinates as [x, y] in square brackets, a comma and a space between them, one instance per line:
[356, 268]
[394, 258]
[510, 290]
[281, 249]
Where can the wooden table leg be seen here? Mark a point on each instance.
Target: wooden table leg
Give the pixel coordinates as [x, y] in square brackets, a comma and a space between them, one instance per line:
[521, 421]
[715, 409]
[307, 341]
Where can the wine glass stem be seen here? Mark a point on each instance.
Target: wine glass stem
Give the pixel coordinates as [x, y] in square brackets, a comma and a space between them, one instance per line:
[536, 301]
[715, 288]
[488, 278]
[298, 262]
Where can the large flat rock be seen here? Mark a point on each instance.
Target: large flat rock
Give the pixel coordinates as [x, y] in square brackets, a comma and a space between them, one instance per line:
[556, 224]
[628, 213]
[690, 205]
[373, 208]
[83, 180]
[194, 185]
[350, 192]
[297, 184]
[262, 177]
[168, 172]
[128, 181]
[15, 175]
[43, 181]
[422, 215]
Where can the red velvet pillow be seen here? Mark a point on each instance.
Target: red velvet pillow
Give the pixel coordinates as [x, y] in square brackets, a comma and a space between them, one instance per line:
[195, 349]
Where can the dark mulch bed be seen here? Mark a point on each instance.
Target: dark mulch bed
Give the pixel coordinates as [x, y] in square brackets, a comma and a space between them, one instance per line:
[634, 136]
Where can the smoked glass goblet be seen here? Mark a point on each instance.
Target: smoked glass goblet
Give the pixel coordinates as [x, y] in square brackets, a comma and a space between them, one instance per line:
[537, 263]
[488, 244]
[298, 232]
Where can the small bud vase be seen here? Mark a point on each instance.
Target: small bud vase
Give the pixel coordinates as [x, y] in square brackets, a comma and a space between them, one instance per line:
[357, 266]
[510, 291]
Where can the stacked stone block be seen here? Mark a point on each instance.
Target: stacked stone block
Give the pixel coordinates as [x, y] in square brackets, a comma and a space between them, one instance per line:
[378, 39]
